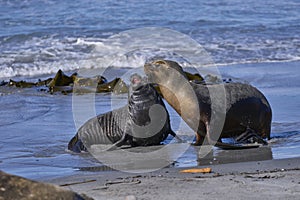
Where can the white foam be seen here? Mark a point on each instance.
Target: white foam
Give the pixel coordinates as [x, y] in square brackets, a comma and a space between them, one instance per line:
[39, 56]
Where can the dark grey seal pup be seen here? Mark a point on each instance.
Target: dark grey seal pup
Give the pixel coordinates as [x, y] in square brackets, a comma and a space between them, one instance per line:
[144, 121]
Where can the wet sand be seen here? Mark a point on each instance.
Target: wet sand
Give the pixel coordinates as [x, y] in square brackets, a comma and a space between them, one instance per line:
[269, 179]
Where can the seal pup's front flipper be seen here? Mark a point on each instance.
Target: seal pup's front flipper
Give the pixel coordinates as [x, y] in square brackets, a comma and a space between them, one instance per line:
[122, 141]
[76, 145]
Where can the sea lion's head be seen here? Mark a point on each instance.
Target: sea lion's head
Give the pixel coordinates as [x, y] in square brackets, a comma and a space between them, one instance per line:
[159, 71]
[175, 88]
[171, 79]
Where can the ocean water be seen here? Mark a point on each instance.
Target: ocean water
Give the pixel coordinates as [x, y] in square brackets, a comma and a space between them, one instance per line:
[41, 36]
[253, 41]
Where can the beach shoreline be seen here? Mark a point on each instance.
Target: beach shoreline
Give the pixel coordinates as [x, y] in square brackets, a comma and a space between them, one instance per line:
[270, 179]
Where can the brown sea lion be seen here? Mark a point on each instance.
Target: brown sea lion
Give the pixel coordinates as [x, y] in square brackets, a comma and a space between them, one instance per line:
[246, 110]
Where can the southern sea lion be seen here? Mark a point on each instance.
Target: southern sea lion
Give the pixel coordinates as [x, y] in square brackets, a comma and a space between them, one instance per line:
[134, 124]
[246, 108]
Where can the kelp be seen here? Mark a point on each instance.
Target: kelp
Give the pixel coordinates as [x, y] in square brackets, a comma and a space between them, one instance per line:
[62, 83]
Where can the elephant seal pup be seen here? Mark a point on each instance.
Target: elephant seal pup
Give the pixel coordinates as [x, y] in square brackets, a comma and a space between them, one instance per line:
[244, 107]
[144, 121]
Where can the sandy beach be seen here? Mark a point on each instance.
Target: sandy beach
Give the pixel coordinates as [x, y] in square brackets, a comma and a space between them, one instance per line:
[271, 179]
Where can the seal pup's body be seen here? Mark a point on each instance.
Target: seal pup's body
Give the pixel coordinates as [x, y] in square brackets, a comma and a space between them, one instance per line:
[130, 124]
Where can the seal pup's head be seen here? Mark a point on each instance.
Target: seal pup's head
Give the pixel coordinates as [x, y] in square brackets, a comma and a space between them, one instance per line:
[138, 86]
[136, 81]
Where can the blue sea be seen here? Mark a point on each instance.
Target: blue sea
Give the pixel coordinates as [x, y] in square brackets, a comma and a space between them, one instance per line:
[253, 41]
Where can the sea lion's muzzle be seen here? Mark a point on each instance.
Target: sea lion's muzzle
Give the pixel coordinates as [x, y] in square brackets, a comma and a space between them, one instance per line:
[151, 70]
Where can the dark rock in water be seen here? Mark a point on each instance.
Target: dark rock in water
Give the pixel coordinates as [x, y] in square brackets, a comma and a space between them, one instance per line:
[21, 84]
[15, 187]
[61, 79]
[84, 82]
[64, 84]
[211, 79]
[62, 89]
[197, 78]
[44, 82]
[120, 87]
[117, 86]
[3, 83]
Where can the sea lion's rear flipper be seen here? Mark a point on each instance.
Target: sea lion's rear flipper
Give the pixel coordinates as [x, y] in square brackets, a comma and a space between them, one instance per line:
[218, 142]
[236, 146]
[250, 137]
